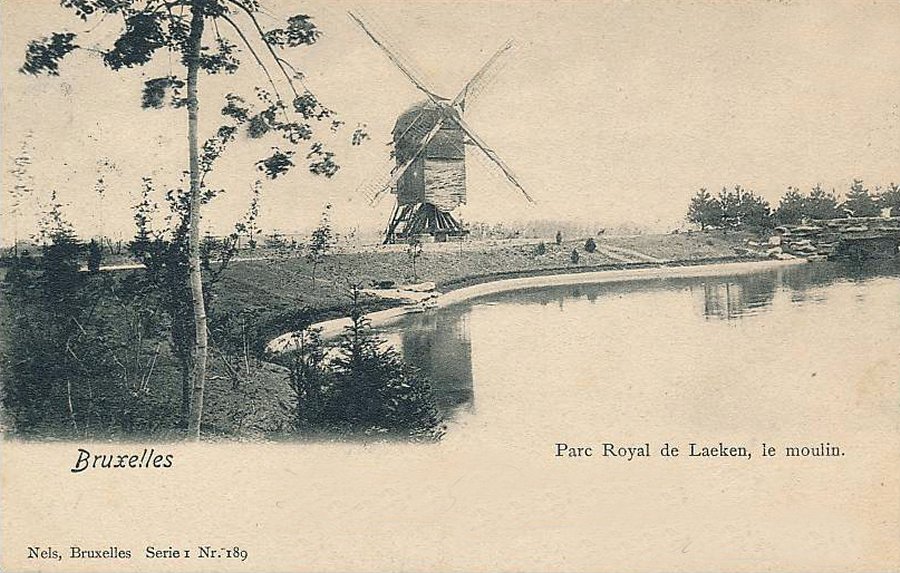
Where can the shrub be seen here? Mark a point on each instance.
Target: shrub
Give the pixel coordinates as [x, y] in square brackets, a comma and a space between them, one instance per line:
[540, 249]
[574, 257]
[590, 246]
[367, 390]
[374, 392]
[82, 351]
[307, 378]
[95, 255]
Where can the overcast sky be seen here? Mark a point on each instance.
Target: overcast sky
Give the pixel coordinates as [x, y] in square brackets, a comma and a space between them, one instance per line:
[608, 111]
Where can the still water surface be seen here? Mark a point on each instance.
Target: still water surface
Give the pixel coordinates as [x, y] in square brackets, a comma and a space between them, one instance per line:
[790, 357]
[752, 349]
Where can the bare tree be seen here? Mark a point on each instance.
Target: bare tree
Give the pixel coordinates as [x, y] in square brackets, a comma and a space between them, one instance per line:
[22, 187]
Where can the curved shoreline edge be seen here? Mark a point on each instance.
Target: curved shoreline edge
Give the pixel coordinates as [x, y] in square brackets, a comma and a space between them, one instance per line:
[332, 328]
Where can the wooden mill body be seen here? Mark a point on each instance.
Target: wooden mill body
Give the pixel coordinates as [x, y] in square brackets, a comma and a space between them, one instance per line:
[435, 183]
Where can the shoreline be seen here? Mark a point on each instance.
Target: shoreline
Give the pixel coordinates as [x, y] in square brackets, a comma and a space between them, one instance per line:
[680, 269]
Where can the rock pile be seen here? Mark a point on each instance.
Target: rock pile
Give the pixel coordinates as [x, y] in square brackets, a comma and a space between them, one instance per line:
[829, 238]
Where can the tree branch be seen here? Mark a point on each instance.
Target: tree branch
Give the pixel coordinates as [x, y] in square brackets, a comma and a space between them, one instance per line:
[262, 35]
[255, 56]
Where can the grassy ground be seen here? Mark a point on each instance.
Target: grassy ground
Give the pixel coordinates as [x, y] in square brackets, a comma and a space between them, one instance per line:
[684, 246]
[282, 283]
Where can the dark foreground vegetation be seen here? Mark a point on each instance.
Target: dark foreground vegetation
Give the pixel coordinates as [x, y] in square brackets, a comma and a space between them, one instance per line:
[108, 354]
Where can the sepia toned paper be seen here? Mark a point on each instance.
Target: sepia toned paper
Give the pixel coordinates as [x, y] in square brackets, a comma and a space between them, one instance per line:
[611, 114]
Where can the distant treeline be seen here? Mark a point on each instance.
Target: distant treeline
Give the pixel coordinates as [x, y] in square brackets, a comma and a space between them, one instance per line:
[739, 208]
[547, 228]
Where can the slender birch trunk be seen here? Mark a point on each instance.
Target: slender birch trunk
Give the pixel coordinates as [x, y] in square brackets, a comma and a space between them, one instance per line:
[198, 374]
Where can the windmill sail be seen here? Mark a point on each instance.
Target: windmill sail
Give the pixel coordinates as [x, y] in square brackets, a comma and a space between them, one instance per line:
[407, 71]
[472, 84]
[492, 155]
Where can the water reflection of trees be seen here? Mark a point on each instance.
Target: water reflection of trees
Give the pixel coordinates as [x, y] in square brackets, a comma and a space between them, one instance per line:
[732, 297]
[440, 343]
[726, 297]
[736, 296]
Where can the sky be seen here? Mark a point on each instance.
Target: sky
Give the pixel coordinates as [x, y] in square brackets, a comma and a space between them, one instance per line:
[609, 112]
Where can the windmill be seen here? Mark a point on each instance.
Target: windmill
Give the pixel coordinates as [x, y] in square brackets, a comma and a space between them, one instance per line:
[429, 174]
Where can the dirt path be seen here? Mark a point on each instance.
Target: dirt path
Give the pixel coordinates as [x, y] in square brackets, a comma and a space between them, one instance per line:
[133, 266]
[626, 255]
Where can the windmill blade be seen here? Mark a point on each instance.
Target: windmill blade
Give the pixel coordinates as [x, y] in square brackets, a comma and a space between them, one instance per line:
[398, 171]
[460, 99]
[371, 188]
[492, 155]
[397, 60]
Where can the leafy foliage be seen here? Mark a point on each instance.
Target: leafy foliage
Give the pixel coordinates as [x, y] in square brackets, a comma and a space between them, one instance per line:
[222, 59]
[791, 208]
[300, 31]
[214, 147]
[309, 107]
[321, 242]
[53, 226]
[85, 8]
[156, 89]
[730, 205]
[732, 209]
[795, 206]
[753, 212]
[95, 257]
[308, 381]
[359, 135]
[43, 56]
[590, 245]
[165, 257]
[236, 108]
[276, 164]
[248, 226]
[742, 209]
[156, 24]
[177, 26]
[321, 161]
[821, 204]
[143, 35]
[22, 187]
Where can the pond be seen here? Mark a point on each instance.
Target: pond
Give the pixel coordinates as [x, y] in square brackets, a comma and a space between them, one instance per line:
[767, 348]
